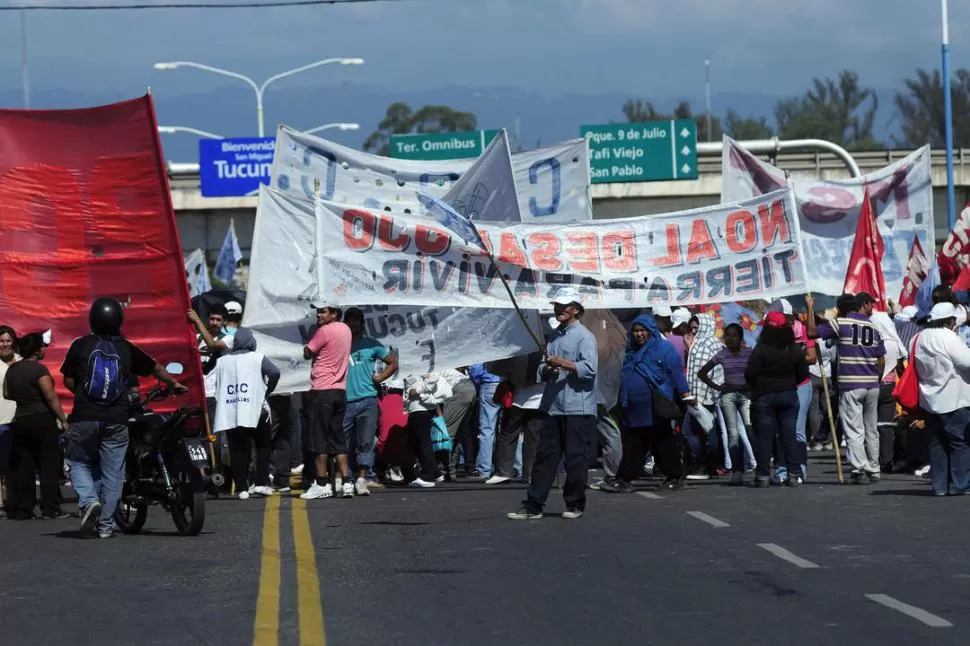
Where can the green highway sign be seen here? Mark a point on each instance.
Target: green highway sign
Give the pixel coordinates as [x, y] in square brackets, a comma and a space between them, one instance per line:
[642, 152]
[436, 146]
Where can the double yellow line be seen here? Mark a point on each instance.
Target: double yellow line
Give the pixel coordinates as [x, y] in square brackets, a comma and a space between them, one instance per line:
[266, 627]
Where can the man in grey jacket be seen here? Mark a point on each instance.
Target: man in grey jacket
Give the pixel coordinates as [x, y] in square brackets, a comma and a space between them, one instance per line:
[569, 400]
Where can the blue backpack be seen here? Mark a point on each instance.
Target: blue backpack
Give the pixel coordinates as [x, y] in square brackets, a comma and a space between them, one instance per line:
[107, 377]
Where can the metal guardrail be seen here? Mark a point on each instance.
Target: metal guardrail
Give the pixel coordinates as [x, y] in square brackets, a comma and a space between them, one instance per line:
[186, 176]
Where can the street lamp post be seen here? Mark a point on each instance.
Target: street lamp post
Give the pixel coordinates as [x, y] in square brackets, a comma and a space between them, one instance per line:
[171, 130]
[259, 89]
[951, 206]
[329, 126]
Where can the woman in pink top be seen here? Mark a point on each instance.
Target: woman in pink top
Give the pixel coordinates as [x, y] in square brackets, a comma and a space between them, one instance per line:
[804, 389]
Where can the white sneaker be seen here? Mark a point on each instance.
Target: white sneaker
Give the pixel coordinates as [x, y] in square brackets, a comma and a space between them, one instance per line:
[243, 495]
[347, 490]
[494, 480]
[295, 471]
[418, 483]
[316, 491]
[261, 490]
[360, 487]
[395, 474]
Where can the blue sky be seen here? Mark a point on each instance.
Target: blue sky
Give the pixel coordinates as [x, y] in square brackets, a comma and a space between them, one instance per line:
[649, 48]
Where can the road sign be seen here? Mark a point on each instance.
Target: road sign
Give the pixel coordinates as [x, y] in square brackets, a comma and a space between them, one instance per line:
[642, 152]
[441, 145]
[235, 167]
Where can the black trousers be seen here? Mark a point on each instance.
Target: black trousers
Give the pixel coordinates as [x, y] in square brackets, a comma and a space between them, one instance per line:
[419, 437]
[35, 449]
[886, 415]
[239, 454]
[662, 440]
[280, 433]
[561, 435]
[517, 421]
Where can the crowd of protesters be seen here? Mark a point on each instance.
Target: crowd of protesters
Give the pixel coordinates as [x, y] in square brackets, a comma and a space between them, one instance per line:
[695, 403]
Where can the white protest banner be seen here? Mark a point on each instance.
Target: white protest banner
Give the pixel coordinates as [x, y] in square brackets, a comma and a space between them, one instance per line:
[901, 193]
[552, 182]
[717, 254]
[283, 288]
[197, 273]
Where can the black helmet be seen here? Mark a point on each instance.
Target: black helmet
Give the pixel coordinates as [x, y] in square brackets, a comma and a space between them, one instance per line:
[106, 317]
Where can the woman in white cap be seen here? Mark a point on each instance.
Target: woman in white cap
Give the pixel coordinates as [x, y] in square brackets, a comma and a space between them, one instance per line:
[943, 371]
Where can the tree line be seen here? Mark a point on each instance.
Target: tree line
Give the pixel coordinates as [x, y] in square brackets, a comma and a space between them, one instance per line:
[838, 109]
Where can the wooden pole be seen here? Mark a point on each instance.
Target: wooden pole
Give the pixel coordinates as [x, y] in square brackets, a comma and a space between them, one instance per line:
[828, 409]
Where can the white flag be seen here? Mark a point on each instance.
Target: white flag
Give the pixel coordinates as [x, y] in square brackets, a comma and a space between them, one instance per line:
[197, 272]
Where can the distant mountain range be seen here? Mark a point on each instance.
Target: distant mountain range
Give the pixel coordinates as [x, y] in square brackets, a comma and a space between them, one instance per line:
[536, 119]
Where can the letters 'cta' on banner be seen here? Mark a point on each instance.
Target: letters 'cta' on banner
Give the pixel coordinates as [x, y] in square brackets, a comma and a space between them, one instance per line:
[723, 253]
[86, 212]
[552, 182]
[901, 194]
[283, 290]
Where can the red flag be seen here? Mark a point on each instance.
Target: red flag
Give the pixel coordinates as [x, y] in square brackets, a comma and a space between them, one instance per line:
[865, 262]
[955, 252]
[86, 211]
[916, 270]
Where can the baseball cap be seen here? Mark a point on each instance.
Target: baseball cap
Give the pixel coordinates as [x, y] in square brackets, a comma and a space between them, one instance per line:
[233, 307]
[679, 316]
[775, 319]
[908, 313]
[566, 296]
[661, 310]
[943, 311]
[782, 305]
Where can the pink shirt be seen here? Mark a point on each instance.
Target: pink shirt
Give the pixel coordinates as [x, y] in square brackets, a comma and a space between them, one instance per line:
[801, 336]
[331, 345]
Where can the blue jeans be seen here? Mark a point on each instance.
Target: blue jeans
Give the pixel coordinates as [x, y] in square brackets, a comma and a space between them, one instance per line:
[775, 413]
[360, 426]
[949, 453]
[96, 457]
[488, 413]
[733, 404]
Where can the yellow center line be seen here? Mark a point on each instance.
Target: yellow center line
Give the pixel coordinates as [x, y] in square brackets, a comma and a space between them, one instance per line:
[308, 585]
[267, 622]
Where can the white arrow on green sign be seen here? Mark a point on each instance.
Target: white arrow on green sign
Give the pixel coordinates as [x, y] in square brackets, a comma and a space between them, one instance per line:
[642, 152]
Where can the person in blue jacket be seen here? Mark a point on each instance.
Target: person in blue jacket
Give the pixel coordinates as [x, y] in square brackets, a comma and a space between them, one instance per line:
[652, 383]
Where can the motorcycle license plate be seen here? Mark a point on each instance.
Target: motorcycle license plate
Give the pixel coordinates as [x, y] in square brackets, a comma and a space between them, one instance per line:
[197, 453]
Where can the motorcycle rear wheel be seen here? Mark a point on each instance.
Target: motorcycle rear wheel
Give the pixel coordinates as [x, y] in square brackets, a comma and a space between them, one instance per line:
[188, 508]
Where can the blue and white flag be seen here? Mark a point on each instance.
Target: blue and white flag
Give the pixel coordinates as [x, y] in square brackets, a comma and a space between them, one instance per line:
[229, 256]
[450, 219]
[197, 273]
[924, 296]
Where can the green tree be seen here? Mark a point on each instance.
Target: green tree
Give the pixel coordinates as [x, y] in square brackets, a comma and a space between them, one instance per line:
[741, 128]
[921, 111]
[400, 119]
[636, 110]
[838, 110]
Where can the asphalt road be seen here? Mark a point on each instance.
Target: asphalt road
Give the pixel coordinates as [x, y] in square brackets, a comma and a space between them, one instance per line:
[824, 563]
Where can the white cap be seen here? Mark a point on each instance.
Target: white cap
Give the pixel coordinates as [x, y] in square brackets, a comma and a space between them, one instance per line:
[908, 313]
[782, 305]
[661, 310]
[233, 307]
[566, 295]
[679, 317]
[943, 311]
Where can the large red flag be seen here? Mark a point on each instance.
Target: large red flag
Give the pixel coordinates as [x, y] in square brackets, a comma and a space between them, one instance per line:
[916, 270]
[865, 262]
[85, 212]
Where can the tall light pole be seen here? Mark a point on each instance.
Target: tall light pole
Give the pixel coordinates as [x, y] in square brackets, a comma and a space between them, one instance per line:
[259, 89]
[951, 206]
[707, 94]
[331, 126]
[171, 130]
[24, 76]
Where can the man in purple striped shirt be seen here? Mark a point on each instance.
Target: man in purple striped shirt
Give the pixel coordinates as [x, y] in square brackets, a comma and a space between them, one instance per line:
[862, 357]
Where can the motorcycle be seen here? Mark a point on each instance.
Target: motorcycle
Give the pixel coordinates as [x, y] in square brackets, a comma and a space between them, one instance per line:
[167, 464]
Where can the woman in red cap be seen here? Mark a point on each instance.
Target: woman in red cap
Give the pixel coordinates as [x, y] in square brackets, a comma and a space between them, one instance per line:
[776, 367]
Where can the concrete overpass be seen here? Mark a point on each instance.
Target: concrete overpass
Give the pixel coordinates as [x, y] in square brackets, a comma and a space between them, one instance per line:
[203, 221]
